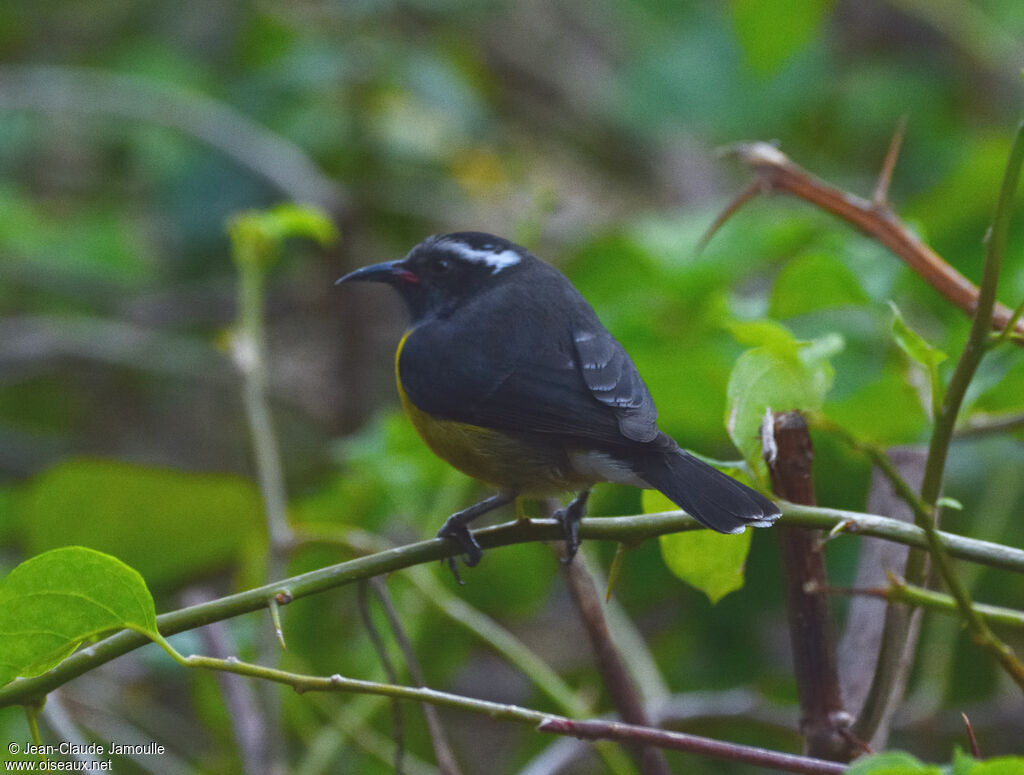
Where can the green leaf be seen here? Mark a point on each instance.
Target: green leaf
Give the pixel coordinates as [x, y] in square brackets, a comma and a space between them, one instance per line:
[964, 764]
[169, 525]
[708, 561]
[51, 603]
[814, 281]
[771, 31]
[257, 235]
[782, 374]
[763, 332]
[912, 343]
[920, 350]
[891, 763]
[887, 411]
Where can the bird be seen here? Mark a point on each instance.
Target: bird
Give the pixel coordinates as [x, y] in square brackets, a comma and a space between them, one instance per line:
[507, 374]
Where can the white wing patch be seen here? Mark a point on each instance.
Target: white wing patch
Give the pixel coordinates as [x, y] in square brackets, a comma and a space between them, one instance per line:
[495, 259]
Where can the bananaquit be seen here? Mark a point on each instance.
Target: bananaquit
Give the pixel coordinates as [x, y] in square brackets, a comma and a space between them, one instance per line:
[508, 375]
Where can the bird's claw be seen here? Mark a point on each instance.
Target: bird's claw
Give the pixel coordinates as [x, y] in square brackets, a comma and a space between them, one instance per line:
[571, 530]
[458, 532]
[570, 517]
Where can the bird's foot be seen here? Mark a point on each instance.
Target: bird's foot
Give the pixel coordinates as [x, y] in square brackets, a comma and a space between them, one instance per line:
[456, 528]
[570, 517]
[457, 531]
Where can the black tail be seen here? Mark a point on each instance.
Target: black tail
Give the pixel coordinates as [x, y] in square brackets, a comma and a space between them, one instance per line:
[705, 493]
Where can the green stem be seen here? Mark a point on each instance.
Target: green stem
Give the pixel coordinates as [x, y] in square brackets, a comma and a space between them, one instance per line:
[32, 716]
[900, 592]
[1011, 327]
[253, 255]
[250, 357]
[629, 529]
[922, 511]
[897, 619]
[516, 714]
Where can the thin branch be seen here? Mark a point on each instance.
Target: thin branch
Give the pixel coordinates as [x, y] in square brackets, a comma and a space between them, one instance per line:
[627, 733]
[446, 761]
[613, 671]
[630, 529]
[865, 619]
[987, 425]
[899, 591]
[247, 723]
[249, 350]
[475, 621]
[381, 650]
[897, 620]
[776, 172]
[680, 741]
[882, 461]
[974, 350]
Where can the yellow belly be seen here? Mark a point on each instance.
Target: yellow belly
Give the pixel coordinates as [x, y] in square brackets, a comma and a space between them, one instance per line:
[504, 461]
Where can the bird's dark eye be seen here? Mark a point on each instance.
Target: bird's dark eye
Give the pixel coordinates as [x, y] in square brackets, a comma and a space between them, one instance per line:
[442, 265]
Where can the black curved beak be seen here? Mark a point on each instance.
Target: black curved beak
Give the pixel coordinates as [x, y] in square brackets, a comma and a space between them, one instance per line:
[388, 272]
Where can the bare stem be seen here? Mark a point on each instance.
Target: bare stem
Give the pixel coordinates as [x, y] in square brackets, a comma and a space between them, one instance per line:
[897, 620]
[627, 733]
[899, 591]
[610, 665]
[630, 529]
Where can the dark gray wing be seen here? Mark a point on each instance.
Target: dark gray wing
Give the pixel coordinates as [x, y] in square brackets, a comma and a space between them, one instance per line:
[612, 379]
[530, 373]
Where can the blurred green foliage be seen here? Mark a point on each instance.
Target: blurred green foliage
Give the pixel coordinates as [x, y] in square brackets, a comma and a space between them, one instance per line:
[587, 131]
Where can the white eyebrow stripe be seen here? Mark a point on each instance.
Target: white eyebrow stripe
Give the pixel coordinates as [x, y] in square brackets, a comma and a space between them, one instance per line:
[497, 260]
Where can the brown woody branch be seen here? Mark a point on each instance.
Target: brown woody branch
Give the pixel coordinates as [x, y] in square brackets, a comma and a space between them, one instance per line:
[680, 741]
[824, 723]
[623, 693]
[777, 173]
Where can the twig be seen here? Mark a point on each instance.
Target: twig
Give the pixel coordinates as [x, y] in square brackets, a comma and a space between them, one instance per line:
[988, 425]
[776, 172]
[247, 724]
[631, 529]
[250, 357]
[442, 750]
[810, 629]
[627, 733]
[865, 619]
[680, 741]
[900, 486]
[381, 650]
[899, 591]
[897, 619]
[614, 675]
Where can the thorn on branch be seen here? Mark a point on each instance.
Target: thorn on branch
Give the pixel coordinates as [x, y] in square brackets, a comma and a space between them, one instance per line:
[971, 738]
[777, 172]
[880, 199]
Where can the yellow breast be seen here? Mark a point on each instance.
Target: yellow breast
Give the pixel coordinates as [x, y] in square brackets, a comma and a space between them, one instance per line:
[505, 461]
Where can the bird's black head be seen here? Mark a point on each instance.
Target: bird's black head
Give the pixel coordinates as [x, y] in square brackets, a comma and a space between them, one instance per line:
[444, 271]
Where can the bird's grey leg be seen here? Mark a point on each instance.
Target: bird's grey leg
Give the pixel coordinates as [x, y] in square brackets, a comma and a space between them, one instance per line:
[456, 528]
[570, 517]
